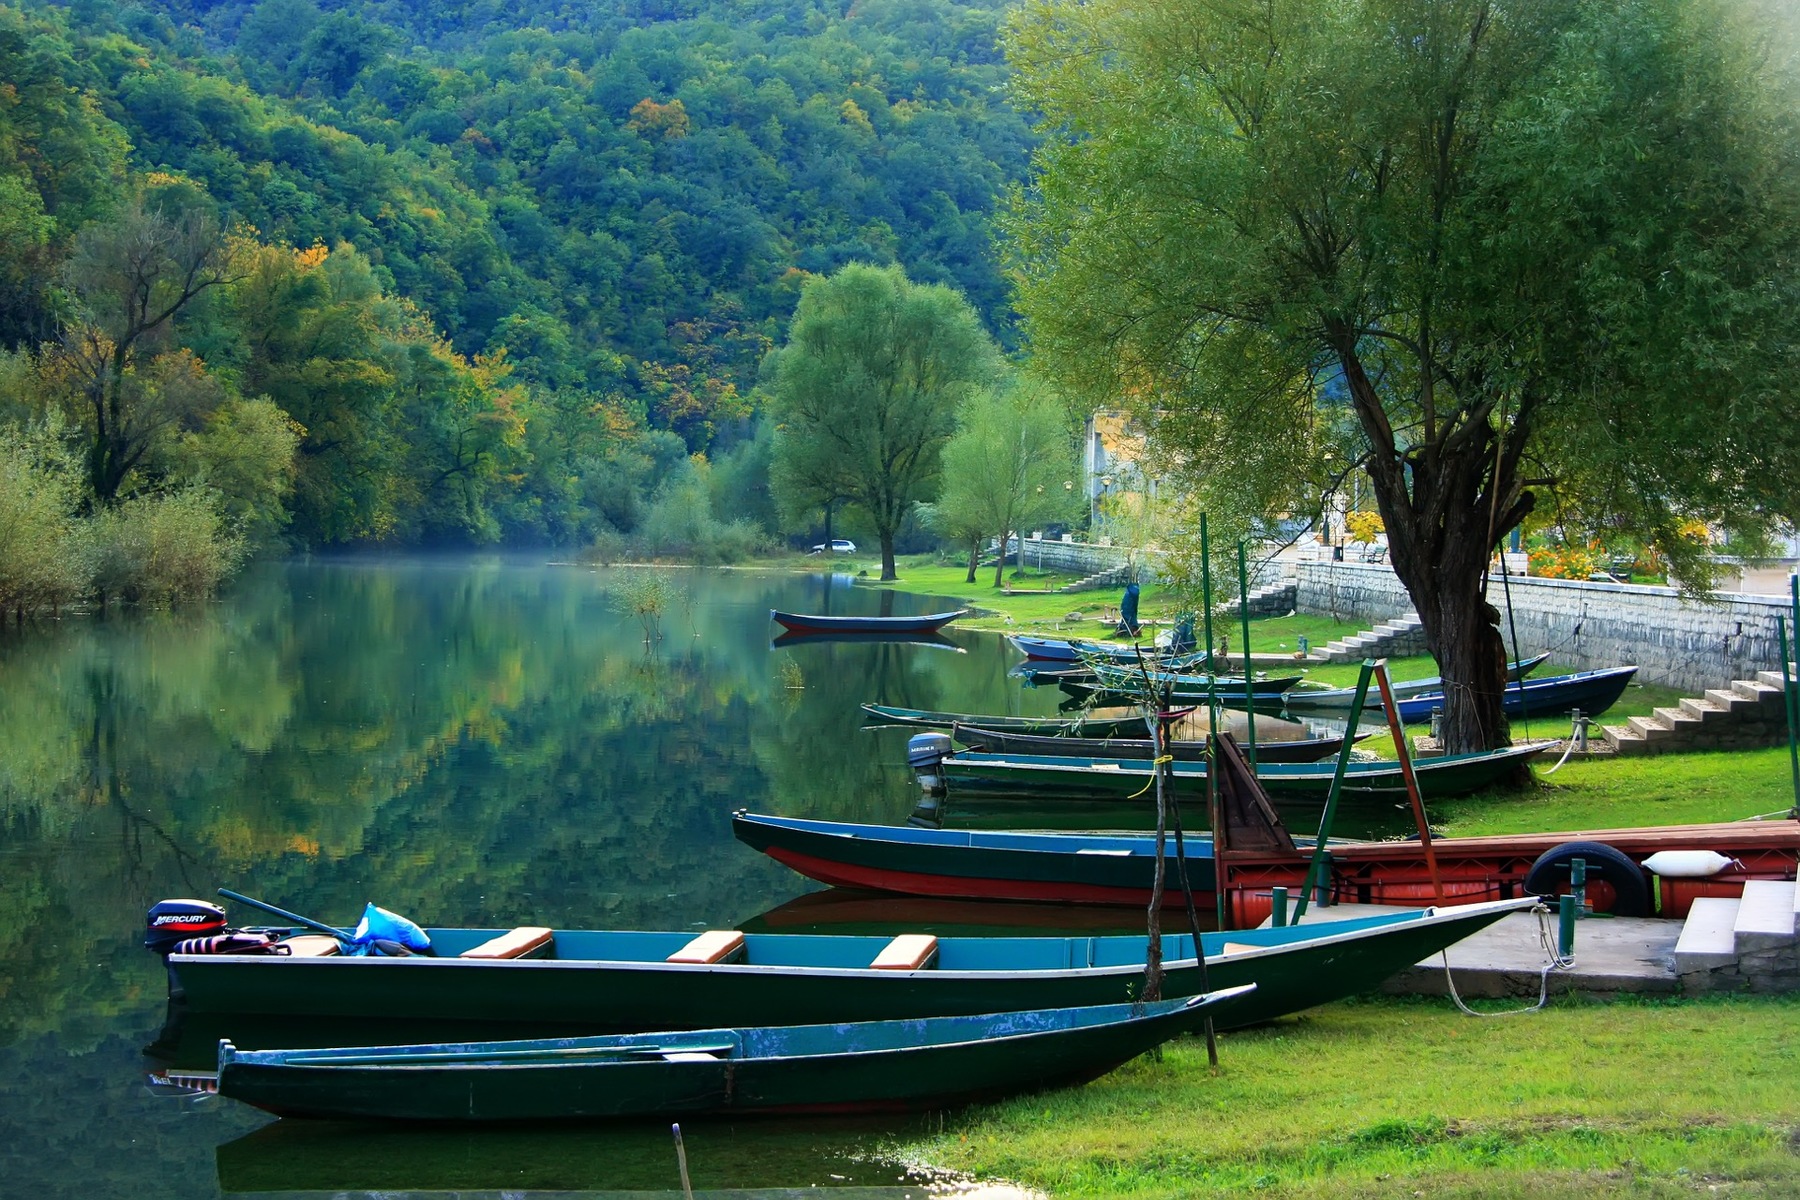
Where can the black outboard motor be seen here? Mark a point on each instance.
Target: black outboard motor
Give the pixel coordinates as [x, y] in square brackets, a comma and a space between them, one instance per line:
[172, 921]
[925, 754]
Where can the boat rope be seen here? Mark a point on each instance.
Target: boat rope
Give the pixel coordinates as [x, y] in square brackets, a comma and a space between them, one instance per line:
[1553, 962]
[1155, 766]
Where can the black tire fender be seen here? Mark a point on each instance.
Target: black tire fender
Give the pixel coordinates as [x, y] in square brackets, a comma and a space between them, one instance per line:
[1549, 875]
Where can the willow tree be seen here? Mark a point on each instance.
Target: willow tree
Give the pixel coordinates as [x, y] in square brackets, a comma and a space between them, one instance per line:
[1547, 251]
[1010, 466]
[866, 391]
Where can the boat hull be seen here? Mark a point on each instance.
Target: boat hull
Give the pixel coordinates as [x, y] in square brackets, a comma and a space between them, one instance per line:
[1000, 741]
[1593, 692]
[777, 984]
[1051, 777]
[861, 1067]
[975, 866]
[1087, 724]
[810, 623]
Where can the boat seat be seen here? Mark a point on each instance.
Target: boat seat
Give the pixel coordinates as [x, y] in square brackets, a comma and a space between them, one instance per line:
[527, 941]
[311, 945]
[689, 1056]
[1239, 947]
[713, 946]
[908, 952]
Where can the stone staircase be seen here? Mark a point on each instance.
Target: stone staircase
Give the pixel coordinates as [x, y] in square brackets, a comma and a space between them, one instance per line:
[1747, 944]
[1747, 714]
[1391, 639]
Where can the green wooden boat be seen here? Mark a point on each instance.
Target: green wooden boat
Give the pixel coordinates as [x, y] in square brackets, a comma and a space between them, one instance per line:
[1081, 725]
[866, 1066]
[602, 981]
[1050, 776]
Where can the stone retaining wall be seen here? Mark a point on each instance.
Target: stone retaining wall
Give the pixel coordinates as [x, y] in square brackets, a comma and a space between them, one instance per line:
[1588, 625]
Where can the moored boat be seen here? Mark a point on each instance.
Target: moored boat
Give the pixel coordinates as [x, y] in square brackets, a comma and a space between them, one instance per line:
[1000, 741]
[847, 1067]
[1047, 776]
[1114, 868]
[1089, 724]
[817, 623]
[1333, 700]
[1593, 692]
[623, 980]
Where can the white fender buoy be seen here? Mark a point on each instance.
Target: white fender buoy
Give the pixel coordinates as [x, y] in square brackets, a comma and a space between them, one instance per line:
[1686, 864]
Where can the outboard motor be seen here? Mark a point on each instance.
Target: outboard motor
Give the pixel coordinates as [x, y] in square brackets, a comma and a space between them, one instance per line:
[925, 754]
[172, 921]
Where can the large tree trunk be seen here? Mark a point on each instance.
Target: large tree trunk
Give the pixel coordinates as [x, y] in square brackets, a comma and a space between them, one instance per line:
[1437, 500]
[887, 556]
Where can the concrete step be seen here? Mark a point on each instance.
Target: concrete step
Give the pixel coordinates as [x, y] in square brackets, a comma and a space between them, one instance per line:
[1624, 741]
[1704, 711]
[1753, 689]
[1729, 700]
[1681, 722]
[1649, 728]
[1765, 917]
[1770, 679]
[1708, 936]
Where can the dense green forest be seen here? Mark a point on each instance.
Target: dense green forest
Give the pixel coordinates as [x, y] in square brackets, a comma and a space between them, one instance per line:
[466, 273]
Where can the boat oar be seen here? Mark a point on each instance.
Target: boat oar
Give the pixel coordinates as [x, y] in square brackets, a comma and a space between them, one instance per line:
[284, 914]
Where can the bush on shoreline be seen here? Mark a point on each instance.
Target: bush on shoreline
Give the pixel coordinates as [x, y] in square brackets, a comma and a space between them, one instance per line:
[158, 549]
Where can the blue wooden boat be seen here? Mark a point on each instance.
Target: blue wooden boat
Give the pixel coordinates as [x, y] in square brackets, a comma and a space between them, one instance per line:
[815, 623]
[592, 981]
[864, 1066]
[1080, 650]
[1593, 692]
[1332, 700]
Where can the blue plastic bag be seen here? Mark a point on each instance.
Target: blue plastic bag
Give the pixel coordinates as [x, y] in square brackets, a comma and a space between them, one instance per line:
[378, 924]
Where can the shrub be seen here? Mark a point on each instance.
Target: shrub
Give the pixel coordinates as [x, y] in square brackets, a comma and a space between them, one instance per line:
[162, 549]
[41, 564]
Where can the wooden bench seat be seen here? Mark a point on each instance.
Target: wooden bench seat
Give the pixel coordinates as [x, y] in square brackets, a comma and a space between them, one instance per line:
[908, 952]
[527, 941]
[1239, 947]
[311, 945]
[713, 946]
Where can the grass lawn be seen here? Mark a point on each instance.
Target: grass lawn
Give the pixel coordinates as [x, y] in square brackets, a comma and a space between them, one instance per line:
[1401, 1097]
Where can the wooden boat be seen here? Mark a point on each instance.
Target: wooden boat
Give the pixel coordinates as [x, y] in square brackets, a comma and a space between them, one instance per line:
[1593, 692]
[1096, 725]
[1117, 869]
[1046, 776]
[1131, 679]
[863, 1066]
[1332, 700]
[1262, 698]
[1082, 650]
[1000, 741]
[788, 641]
[1069, 868]
[603, 980]
[812, 623]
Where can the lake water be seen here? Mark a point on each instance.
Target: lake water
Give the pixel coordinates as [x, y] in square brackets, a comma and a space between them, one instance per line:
[467, 743]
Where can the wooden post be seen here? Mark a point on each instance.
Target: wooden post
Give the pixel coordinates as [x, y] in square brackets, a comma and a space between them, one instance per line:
[1412, 781]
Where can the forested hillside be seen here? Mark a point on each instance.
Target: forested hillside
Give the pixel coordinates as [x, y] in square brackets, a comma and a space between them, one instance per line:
[504, 268]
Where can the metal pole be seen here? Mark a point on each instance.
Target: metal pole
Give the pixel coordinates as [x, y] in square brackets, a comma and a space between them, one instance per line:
[1277, 907]
[1221, 870]
[1316, 868]
[1565, 926]
[1412, 780]
[1249, 677]
[1790, 694]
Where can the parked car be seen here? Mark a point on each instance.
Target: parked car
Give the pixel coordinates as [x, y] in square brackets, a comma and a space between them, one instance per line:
[836, 546]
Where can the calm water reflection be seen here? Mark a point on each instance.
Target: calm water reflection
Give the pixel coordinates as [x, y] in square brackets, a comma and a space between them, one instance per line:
[463, 742]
